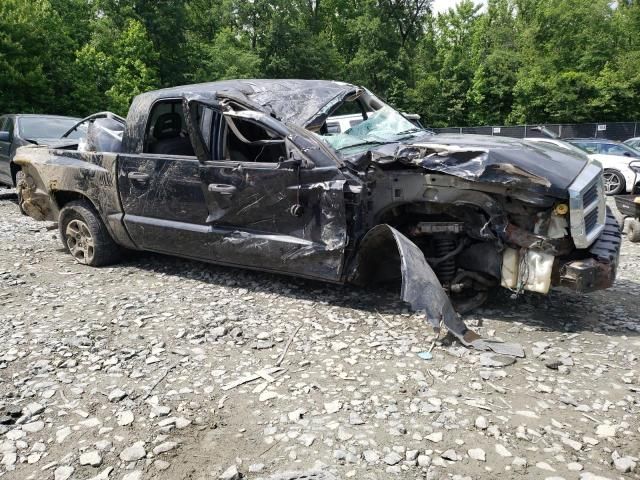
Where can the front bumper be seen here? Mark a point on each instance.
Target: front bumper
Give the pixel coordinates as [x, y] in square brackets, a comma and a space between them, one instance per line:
[598, 270]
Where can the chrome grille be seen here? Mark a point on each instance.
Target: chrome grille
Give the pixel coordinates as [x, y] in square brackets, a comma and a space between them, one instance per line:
[591, 195]
[587, 206]
[591, 220]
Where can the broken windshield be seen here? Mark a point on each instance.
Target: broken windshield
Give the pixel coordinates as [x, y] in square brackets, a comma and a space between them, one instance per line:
[385, 125]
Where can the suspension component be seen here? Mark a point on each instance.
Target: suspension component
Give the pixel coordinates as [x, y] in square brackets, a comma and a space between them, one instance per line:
[431, 228]
[445, 269]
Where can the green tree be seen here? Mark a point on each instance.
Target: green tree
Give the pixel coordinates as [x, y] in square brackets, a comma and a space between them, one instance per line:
[35, 51]
[115, 67]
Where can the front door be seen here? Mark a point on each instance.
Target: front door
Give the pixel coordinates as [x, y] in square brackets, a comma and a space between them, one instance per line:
[266, 210]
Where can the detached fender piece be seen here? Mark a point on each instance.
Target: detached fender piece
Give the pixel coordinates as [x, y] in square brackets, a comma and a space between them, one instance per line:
[382, 250]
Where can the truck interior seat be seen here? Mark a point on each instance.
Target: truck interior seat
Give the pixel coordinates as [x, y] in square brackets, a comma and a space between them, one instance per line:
[169, 137]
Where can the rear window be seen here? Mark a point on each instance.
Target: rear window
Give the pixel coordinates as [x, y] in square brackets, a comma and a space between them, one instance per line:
[46, 127]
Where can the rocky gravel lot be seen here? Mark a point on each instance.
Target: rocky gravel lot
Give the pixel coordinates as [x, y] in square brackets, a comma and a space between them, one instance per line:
[160, 368]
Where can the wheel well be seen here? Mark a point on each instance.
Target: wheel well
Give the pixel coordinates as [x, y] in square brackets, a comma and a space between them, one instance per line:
[63, 197]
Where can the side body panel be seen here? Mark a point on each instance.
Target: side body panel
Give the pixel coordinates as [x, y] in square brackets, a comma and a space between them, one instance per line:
[53, 174]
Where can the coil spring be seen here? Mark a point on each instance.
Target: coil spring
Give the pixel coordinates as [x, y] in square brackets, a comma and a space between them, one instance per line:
[445, 270]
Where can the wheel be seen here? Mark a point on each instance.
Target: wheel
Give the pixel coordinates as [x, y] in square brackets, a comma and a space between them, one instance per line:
[614, 183]
[19, 177]
[634, 230]
[84, 235]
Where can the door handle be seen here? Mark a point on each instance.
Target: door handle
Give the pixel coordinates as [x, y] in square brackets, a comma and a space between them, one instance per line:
[138, 177]
[222, 189]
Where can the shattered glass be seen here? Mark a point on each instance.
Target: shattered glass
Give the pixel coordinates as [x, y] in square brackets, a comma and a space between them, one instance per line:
[383, 126]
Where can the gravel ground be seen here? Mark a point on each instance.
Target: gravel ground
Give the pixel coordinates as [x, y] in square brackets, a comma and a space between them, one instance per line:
[164, 368]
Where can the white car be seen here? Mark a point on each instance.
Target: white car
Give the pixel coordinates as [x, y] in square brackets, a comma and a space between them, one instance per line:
[621, 164]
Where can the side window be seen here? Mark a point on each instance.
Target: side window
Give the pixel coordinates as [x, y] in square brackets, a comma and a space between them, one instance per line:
[246, 141]
[612, 149]
[589, 147]
[166, 132]
[2, 121]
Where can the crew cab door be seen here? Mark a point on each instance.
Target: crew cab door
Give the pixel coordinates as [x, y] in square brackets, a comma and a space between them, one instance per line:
[268, 206]
[161, 190]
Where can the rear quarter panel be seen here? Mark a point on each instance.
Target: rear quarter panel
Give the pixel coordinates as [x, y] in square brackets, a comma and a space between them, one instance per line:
[52, 175]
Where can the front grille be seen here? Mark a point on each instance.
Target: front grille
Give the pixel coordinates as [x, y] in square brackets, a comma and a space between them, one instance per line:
[591, 220]
[591, 195]
[587, 206]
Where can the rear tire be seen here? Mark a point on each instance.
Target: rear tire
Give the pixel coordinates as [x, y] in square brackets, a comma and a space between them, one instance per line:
[614, 182]
[634, 230]
[85, 236]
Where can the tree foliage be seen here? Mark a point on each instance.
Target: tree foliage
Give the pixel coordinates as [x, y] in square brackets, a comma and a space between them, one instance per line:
[513, 61]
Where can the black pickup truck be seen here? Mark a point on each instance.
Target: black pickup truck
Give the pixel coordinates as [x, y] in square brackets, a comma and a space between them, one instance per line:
[245, 173]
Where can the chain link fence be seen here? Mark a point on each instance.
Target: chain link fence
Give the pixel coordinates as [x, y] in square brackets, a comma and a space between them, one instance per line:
[612, 131]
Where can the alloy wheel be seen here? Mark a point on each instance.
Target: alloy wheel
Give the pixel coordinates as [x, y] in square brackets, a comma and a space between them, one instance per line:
[612, 182]
[80, 241]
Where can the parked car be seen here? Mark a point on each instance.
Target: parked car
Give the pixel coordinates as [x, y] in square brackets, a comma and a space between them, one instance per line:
[19, 130]
[615, 157]
[633, 143]
[244, 173]
[556, 142]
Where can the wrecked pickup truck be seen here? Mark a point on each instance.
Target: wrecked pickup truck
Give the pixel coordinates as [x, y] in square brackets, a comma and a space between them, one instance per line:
[245, 173]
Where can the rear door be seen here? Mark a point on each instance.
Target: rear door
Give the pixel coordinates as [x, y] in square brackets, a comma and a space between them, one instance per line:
[268, 207]
[161, 189]
[5, 152]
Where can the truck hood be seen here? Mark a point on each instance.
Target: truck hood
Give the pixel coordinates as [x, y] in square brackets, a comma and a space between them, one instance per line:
[507, 161]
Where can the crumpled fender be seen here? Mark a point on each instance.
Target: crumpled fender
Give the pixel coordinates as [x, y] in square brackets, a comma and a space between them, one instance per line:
[421, 288]
[377, 261]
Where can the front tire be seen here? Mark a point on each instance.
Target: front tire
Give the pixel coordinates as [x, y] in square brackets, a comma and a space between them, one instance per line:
[614, 183]
[85, 236]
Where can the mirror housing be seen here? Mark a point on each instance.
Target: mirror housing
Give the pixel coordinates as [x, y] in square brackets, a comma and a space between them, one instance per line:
[296, 158]
[5, 136]
[296, 163]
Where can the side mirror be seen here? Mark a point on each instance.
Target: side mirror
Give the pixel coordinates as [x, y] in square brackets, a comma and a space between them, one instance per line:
[627, 154]
[4, 136]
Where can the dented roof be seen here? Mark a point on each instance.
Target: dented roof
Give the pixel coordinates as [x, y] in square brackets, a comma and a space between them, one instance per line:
[291, 101]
